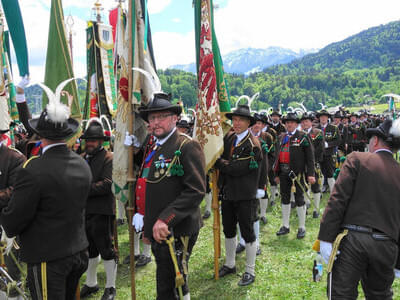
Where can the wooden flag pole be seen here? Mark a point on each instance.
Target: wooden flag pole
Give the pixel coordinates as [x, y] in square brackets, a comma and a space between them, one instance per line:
[78, 292]
[217, 223]
[131, 175]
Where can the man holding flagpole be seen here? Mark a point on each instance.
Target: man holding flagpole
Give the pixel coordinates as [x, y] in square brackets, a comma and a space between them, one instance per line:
[240, 166]
[170, 187]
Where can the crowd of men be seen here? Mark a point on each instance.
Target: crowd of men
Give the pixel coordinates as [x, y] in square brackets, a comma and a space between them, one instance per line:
[59, 204]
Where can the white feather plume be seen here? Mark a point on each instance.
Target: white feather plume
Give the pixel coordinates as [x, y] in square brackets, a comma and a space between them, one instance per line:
[57, 111]
[302, 106]
[192, 111]
[243, 97]
[151, 77]
[255, 96]
[91, 120]
[322, 105]
[105, 120]
[395, 129]
[299, 110]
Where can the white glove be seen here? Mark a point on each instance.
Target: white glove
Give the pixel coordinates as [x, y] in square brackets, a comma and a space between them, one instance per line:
[397, 273]
[260, 193]
[131, 140]
[326, 145]
[326, 249]
[9, 241]
[137, 222]
[24, 82]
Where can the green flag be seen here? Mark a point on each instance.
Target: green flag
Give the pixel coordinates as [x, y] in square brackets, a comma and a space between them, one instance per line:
[58, 61]
[17, 31]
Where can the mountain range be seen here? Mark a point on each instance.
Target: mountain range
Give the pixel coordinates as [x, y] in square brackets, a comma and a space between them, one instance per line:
[251, 60]
[362, 67]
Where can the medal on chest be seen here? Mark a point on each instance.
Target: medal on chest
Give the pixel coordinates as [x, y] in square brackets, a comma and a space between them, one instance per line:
[161, 166]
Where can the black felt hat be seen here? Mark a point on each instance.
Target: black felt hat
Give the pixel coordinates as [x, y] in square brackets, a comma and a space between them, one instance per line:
[323, 112]
[389, 131]
[95, 131]
[308, 116]
[161, 102]
[276, 113]
[242, 111]
[291, 117]
[183, 124]
[46, 128]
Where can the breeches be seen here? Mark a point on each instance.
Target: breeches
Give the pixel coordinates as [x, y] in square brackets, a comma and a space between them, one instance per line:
[62, 277]
[364, 258]
[242, 212]
[165, 273]
[99, 231]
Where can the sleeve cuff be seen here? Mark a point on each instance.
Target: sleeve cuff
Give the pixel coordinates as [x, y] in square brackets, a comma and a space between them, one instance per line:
[20, 98]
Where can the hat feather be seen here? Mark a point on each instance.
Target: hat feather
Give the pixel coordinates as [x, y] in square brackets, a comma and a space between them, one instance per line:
[151, 77]
[56, 111]
[395, 129]
[243, 97]
[105, 119]
[91, 120]
[302, 106]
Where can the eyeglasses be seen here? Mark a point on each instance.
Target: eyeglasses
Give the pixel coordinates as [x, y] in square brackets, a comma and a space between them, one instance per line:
[160, 117]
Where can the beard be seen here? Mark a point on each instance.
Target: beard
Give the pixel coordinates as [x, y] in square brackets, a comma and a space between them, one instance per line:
[92, 150]
[162, 135]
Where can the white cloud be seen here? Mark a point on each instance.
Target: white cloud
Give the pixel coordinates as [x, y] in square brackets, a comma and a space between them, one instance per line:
[297, 24]
[157, 6]
[172, 48]
[176, 20]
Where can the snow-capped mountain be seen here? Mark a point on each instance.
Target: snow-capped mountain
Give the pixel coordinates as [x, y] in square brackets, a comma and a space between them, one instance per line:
[250, 60]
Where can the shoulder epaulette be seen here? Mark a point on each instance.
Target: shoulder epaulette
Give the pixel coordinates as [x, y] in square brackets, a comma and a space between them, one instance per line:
[29, 160]
[185, 135]
[15, 149]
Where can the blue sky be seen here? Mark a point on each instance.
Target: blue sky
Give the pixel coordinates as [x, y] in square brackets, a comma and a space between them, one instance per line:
[294, 24]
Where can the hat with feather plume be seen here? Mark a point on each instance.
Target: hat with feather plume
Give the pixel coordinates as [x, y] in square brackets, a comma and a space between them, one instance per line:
[160, 101]
[55, 122]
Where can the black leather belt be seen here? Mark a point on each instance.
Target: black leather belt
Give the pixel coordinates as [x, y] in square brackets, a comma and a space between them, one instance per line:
[377, 235]
[284, 168]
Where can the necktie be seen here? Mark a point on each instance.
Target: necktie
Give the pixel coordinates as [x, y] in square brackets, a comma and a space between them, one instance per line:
[151, 154]
[286, 138]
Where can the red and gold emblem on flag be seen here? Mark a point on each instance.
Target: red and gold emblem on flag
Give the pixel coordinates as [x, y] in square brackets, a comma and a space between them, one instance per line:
[208, 130]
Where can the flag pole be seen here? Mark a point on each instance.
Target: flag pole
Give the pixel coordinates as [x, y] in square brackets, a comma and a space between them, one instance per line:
[131, 175]
[216, 222]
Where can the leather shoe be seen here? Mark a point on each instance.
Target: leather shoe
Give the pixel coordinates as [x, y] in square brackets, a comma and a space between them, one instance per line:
[142, 261]
[206, 215]
[127, 259]
[315, 214]
[301, 233]
[283, 230]
[240, 248]
[226, 271]
[292, 204]
[109, 294]
[86, 291]
[264, 220]
[258, 251]
[120, 222]
[247, 279]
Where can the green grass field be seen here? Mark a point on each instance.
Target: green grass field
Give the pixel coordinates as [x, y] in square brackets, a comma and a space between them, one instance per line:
[283, 270]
